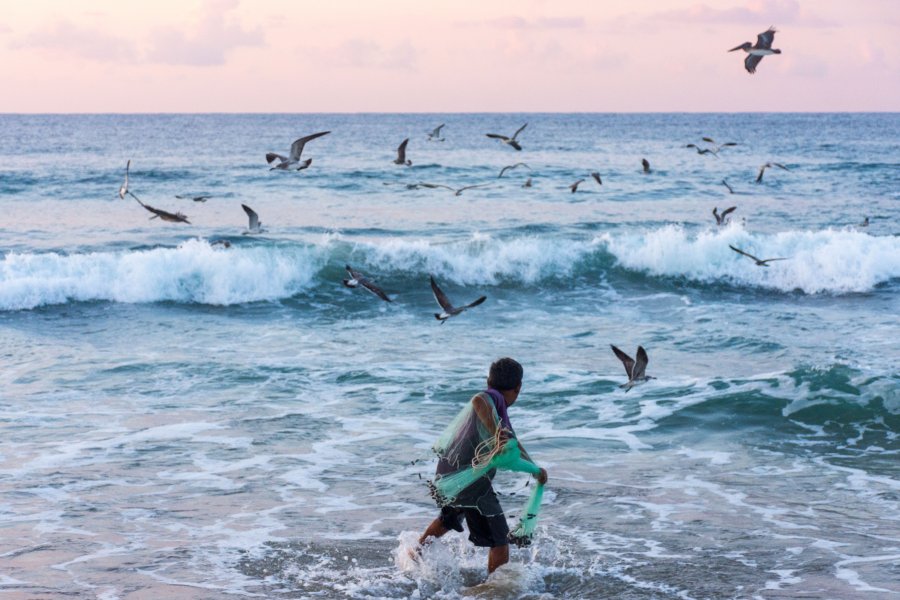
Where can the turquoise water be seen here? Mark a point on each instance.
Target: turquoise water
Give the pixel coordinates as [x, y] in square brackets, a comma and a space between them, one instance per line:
[185, 420]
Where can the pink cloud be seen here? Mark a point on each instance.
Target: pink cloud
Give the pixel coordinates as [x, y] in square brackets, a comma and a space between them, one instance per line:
[67, 39]
[209, 45]
[543, 23]
[360, 53]
[758, 11]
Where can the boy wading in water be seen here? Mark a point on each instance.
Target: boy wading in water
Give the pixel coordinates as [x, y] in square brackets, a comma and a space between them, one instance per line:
[487, 421]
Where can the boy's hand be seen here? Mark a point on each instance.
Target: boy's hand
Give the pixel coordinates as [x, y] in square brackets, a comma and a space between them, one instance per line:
[541, 477]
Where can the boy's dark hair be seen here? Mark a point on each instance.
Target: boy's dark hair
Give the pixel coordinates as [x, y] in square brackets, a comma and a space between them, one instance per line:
[505, 374]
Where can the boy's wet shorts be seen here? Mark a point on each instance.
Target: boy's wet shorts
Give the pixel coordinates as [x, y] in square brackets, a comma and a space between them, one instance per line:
[487, 531]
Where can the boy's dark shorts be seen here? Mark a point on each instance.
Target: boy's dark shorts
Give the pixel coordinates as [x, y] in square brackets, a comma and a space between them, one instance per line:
[486, 531]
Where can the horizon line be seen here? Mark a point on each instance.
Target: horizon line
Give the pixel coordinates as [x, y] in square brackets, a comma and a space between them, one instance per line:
[474, 112]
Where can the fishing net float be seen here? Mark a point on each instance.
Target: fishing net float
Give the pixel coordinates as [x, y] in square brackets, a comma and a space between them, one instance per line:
[467, 452]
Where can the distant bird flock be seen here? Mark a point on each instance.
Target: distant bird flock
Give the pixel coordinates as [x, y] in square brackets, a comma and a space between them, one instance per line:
[634, 368]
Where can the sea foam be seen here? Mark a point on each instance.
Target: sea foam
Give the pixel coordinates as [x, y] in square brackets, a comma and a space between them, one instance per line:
[194, 272]
[827, 261]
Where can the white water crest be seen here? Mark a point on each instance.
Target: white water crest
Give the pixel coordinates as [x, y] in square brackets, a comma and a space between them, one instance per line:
[829, 261]
[192, 272]
[483, 259]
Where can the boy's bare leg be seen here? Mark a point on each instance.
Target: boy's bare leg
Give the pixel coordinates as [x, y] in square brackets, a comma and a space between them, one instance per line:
[497, 557]
[436, 529]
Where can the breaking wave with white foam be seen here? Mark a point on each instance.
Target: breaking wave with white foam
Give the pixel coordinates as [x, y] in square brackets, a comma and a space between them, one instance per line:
[829, 261]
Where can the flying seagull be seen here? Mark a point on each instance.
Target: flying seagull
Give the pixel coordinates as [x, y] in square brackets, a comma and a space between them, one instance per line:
[759, 262]
[435, 135]
[721, 219]
[294, 157]
[634, 368]
[201, 198]
[646, 164]
[509, 140]
[703, 150]
[401, 154]
[165, 215]
[448, 309]
[725, 183]
[596, 177]
[254, 225]
[762, 48]
[511, 167]
[763, 168]
[574, 186]
[456, 191]
[123, 189]
[357, 279]
[709, 140]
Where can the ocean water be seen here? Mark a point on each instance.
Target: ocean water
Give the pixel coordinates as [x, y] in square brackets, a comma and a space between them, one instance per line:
[183, 420]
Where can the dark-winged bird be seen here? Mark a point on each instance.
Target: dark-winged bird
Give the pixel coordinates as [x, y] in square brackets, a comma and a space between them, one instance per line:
[760, 262]
[762, 48]
[165, 215]
[720, 218]
[294, 157]
[401, 154]
[763, 168]
[357, 279]
[254, 225]
[636, 369]
[448, 309]
[509, 140]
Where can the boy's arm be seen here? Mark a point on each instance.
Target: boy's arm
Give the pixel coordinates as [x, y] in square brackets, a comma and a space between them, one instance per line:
[485, 413]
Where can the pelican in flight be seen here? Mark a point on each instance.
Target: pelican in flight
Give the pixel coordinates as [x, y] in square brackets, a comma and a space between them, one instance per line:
[646, 164]
[763, 168]
[401, 154]
[574, 186]
[254, 225]
[760, 262]
[123, 189]
[201, 198]
[448, 310]
[634, 368]
[296, 150]
[509, 140]
[721, 219]
[596, 177]
[435, 135]
[762, 48]
[165, 215]
[511, 167]
[357, 279]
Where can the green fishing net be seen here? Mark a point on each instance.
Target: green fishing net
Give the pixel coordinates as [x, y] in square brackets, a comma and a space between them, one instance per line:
[524, 531]
[468, 454]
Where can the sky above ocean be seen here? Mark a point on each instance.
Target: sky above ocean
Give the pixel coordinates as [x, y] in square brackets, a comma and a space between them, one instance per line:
[462, 56]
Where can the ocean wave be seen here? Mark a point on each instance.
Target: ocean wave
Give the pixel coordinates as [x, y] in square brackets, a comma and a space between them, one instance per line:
[194, 272]
[830, 261]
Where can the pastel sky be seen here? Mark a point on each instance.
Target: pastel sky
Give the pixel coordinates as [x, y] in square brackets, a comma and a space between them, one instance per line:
[445, 55]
